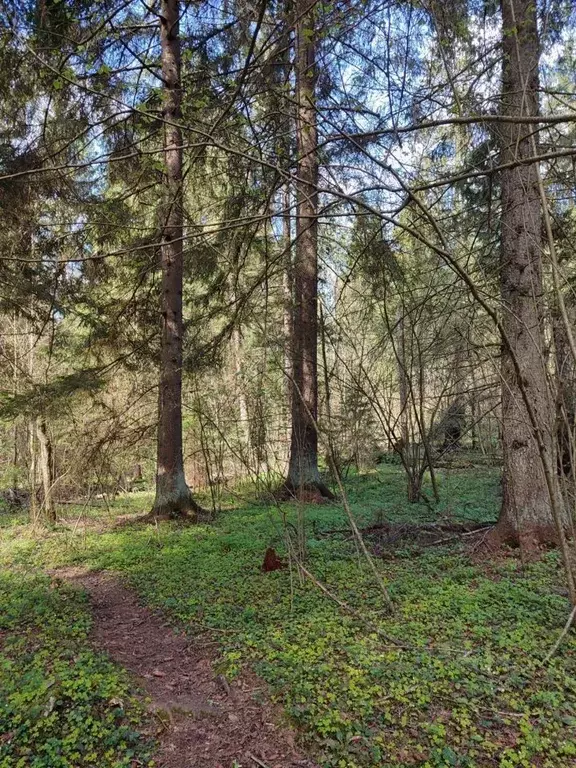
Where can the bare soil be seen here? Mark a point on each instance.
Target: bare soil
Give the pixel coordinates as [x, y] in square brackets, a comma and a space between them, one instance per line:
[199, 719]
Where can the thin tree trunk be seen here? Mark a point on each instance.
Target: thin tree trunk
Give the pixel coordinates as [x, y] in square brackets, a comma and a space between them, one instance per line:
[14, 392]
[32, 472]
[240, 387]
[173, 497]
[403, 446]
[526, 515]
[303, 474]
[46, 469]
[401, 365]
[31, 426]
[474, 427]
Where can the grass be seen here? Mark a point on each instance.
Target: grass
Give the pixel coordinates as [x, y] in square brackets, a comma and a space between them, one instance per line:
[470, 688]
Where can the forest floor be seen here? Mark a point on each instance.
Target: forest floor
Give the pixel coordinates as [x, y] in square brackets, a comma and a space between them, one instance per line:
[454, 677]
[202, 720]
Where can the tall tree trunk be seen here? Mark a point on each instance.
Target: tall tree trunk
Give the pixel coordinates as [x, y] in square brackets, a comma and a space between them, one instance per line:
[46, 469]
[288, 303]
[286, 151]
[173, 497]
[303, 474]
[526, 515]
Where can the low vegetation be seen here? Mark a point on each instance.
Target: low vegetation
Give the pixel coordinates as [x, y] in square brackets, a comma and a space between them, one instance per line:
[455, 677]
[61, 703]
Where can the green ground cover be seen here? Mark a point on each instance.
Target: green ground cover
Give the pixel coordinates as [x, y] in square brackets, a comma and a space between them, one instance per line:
[61, 704]
[469, 689]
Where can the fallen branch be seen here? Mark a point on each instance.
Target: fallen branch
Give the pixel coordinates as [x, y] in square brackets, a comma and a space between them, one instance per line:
[348, 609]
[257, 760]
[395, 528]
[461, 535]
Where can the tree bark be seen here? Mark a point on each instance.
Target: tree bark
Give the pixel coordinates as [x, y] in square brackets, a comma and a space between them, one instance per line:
[288, 305]
[401, 365]
[286, 151]
[565, 393]
[244, 428]
[46, 470]
[526, 515]
[32, 433]
[32, 472]
[303, 475]
[173, 497]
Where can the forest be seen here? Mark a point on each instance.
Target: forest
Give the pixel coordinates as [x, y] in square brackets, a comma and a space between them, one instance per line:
[287, 383]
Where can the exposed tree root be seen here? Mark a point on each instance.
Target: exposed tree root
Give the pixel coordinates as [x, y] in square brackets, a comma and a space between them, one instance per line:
[186, 511]
[531, 541]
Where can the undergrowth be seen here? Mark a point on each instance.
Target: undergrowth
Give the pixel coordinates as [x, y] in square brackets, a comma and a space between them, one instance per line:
[61, 704]
[455, 677]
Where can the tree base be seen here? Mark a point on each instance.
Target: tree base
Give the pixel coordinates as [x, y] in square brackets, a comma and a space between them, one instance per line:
[181, 510]
[531, 541]
[308, 493]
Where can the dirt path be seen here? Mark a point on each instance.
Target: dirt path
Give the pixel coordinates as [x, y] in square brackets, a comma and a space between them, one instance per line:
[202, 721]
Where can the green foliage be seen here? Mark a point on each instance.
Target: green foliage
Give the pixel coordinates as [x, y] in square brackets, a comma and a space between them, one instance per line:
[61, 704]
[47, 398]
[468, 688]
